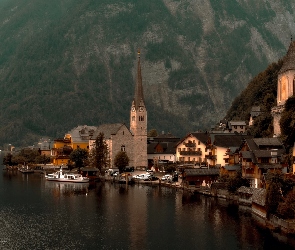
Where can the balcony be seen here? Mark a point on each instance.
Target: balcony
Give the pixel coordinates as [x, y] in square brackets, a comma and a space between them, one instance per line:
[211, 157]
[190, 153]
[249, 176]
[190, 144]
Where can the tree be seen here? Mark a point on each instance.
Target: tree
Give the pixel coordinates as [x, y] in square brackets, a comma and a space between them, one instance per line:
[121, 160]
[79, 156]
[287, 123]
[273, 191]
[152, 133]
[236, 182]
[286, 209]
[99, 154]
[7, 159]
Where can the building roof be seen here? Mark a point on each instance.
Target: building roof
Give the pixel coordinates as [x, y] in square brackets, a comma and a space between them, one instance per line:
[273, 141]
[201, 136]
[237, 123]
[259, 195]
[168, 147]
[268, 165]
[81, 133]
[108, 130]
[248, 155]
[232, 167]
[246, 190]
[268, 153]
[264, 143]
[201, 171]
[229, 140]
[255, 111]
[289, 59]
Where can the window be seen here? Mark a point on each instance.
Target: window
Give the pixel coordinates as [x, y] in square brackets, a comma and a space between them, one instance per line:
[264, 160]
[199, 142]
[133, 118]
[241, 127]
[123, 132]
[123, 148]
[179, 149]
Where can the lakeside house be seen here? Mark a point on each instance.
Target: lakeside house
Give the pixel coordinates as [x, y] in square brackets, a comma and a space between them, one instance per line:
[258, 155]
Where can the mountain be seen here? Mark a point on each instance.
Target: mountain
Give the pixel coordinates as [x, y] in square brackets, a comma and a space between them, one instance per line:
[65, 63]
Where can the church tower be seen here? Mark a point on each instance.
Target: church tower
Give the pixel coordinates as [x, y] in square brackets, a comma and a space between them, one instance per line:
[138, 122]
[286, 86]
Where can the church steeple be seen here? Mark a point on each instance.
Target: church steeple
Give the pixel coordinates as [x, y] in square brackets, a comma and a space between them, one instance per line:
[289, 59]
[138, 121]
[138, 100]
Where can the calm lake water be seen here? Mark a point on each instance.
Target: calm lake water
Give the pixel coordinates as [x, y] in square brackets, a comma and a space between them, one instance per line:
[36, 214]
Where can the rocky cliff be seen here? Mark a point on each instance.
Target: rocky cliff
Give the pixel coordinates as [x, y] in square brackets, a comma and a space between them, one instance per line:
[65, 63]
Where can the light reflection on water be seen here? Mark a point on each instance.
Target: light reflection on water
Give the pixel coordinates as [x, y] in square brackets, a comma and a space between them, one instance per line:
[37, 214]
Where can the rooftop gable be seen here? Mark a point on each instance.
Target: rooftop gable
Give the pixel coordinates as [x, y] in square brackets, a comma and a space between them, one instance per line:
[108, 130]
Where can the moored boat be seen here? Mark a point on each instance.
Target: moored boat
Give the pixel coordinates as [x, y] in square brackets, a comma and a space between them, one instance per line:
[66, 177]
[26, 170]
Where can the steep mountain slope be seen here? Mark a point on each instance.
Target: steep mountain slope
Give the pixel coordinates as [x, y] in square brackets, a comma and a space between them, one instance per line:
[65, 63]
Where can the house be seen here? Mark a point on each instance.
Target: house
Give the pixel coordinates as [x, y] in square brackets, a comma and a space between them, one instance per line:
[237, 127]
[191, 150]
[200, 176]
[161, 150]
[255, 112]
[210, 149]
[258, 155]
[76, 138]
[258, 202]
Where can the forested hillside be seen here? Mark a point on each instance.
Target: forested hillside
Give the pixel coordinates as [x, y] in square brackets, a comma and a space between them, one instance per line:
[65, 63]
[261, 91]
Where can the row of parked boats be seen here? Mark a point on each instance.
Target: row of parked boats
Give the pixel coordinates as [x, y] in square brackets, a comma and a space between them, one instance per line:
[61, 175]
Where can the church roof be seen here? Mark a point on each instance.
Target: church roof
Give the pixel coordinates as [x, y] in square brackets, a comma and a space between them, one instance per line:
[289, 59]
[107, 130]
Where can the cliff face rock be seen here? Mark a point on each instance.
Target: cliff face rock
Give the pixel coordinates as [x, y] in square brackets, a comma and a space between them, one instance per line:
[66, 63]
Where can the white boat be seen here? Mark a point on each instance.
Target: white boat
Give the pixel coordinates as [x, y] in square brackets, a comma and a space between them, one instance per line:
[66, 177]
[26, 170]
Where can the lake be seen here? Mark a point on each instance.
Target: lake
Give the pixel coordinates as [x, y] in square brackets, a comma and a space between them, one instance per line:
[37, 214]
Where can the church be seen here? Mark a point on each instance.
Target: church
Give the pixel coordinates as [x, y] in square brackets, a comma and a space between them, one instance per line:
[133, 141]
[286, 86]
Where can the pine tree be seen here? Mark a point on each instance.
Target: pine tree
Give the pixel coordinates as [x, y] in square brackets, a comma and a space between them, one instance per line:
[100, 152]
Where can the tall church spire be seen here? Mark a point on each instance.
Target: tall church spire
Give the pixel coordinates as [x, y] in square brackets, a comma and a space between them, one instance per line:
[138, 94]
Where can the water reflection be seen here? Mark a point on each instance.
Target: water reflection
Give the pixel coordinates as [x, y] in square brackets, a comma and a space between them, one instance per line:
[39, 214]
[66, 188]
